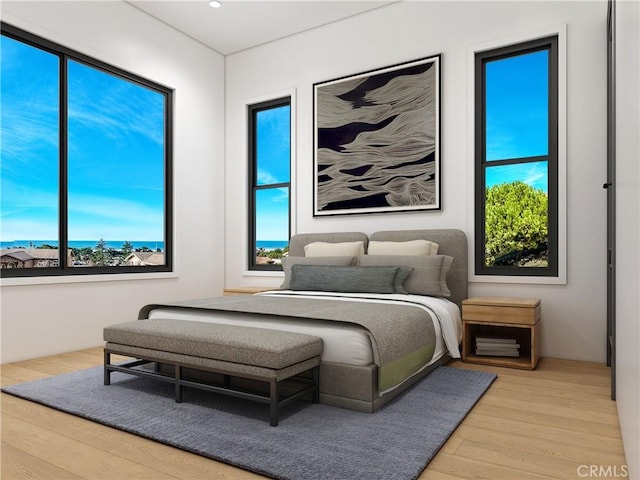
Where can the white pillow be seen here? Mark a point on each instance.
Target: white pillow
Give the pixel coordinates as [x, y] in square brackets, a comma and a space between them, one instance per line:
[411, 247]
[337, 249]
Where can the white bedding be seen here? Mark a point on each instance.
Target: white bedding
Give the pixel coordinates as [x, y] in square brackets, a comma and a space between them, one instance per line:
[348, 344]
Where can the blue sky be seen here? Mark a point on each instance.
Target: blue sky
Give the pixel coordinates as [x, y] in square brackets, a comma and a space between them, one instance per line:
[274, 157]
[517, 118]
[516, 103]
[29, 149]
[116, 147]
[115, 158]
[531, 173]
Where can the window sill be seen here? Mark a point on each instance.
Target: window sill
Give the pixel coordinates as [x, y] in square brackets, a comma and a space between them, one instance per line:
[116, 277]
[263, 273]
[516, 279]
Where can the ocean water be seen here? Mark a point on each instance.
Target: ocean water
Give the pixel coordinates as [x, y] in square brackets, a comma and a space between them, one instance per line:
[115, 244]
[271, 244]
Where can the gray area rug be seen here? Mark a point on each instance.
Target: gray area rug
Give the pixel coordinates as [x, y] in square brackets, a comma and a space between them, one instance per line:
[312, 442]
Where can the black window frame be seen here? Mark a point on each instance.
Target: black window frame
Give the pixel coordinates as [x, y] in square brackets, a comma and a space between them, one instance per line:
[252, 111]
[550, 44]
[65, 55]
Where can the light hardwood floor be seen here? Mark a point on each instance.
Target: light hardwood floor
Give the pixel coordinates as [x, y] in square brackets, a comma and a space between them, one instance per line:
[541, 424]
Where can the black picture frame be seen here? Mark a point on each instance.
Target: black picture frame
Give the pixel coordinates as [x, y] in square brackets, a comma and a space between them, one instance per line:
[377, 140]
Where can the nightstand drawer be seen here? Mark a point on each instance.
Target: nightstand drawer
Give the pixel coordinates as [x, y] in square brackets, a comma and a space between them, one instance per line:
[523, 311]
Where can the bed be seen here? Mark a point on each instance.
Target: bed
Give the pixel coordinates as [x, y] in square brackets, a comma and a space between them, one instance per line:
[378, 340]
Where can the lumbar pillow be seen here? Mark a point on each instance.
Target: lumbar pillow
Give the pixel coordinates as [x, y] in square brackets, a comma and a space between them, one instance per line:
[325, 278]
[324, 249]
[428, 276]
[288, 262]
[411, 247]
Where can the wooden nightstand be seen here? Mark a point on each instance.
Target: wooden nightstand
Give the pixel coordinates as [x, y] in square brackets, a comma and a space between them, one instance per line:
[246, 290]
[502, 318]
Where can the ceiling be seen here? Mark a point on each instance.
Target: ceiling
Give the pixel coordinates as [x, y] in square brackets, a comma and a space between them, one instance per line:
[242, 24]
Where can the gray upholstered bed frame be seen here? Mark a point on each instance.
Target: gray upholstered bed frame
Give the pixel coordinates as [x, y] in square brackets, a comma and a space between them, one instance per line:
[355, 387]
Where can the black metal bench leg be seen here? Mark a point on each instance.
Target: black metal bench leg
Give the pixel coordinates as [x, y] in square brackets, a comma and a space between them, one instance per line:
[273, 400]
[315, 372]
[178, 372]
[273, 404]
[107, 362]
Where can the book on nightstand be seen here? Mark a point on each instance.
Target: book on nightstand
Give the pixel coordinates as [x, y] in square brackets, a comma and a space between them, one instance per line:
[498, 353]
[505, 340]
[497, 347]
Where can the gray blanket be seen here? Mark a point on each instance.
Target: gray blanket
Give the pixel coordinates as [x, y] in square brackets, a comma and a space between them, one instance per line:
[402, 335]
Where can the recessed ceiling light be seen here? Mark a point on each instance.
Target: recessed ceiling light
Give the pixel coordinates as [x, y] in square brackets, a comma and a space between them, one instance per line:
[215, 4]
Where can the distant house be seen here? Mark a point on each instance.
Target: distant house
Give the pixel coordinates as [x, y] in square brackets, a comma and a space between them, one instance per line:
[16, 258]
[144, 258]
[30, 257]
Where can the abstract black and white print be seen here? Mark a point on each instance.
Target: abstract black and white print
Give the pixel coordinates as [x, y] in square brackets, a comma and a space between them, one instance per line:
[377, 140]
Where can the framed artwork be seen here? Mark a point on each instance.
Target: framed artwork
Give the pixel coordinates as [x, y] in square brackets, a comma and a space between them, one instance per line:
[377, 140]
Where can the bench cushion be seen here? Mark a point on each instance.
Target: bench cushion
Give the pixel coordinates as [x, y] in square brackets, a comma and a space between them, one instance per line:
[216, 366]
[274, 349]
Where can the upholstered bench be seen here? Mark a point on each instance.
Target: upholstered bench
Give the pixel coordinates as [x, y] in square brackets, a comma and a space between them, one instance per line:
[264, 355]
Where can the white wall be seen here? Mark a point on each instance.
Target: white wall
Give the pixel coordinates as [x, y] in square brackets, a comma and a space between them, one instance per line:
[59, 317]
[56, 317]
[628, 229]
[574, 314]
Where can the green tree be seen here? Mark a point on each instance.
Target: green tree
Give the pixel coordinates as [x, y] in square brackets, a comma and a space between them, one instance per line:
[82, 255]
[278, 252]
[127, 248]
[101, 256]
[516, 223]
[275, 253]
[119, 256]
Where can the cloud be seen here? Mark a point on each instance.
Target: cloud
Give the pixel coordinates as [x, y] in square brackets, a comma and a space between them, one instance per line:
[534, 174]
[27, 229]
[110, 207]
[537, 179]
[116, 107]
[266, 178]
[29, 135]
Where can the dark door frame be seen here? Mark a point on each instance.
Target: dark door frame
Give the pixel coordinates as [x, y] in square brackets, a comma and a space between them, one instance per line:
[611, 193]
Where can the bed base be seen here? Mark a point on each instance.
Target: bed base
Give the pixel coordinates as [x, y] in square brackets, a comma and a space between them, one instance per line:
[355, 387]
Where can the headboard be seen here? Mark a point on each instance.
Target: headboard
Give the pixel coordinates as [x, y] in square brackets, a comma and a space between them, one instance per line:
[451, 242]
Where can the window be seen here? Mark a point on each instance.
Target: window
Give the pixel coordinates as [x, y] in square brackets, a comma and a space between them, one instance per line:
[516, 152]
[270, 183]
[86, 164]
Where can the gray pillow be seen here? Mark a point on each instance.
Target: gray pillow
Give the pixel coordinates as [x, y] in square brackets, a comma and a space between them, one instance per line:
[325, 278]
[429, 274]
[401, 276]
[288, 262]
